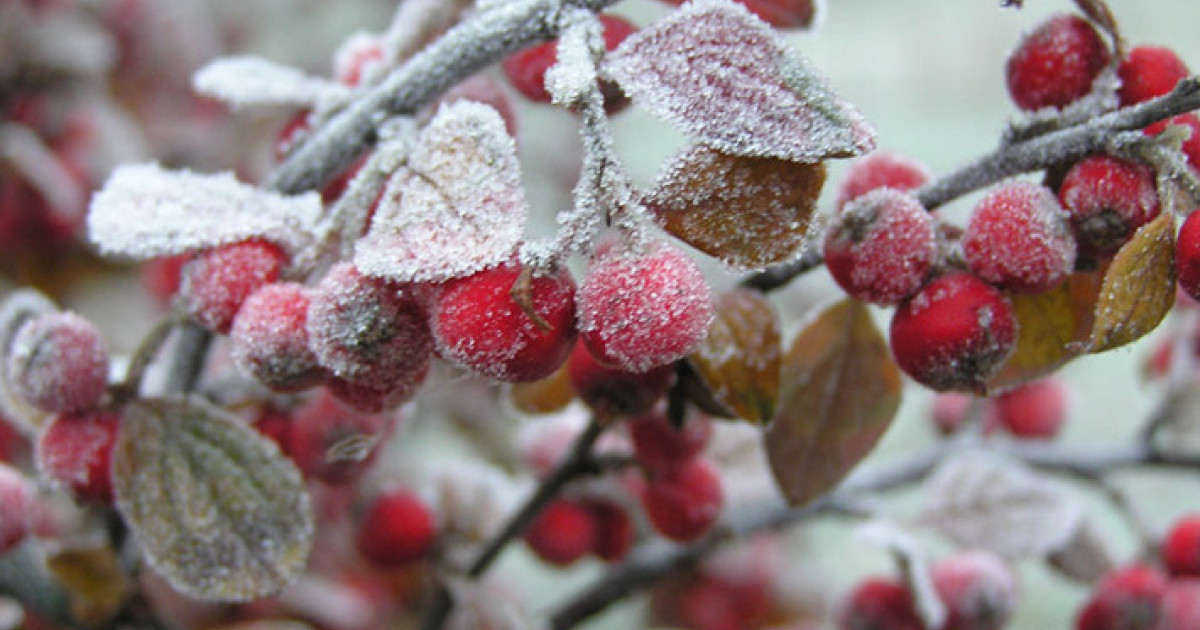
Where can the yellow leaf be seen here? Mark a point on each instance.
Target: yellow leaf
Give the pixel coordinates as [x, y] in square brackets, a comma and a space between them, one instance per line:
[738, 363]
[1139, 287]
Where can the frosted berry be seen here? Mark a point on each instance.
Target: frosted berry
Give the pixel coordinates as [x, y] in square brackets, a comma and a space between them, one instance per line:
[881, 246]
[658, 445]
[1035, 410]
[396, 530]
[615, 532]
[1187, 256]
[58, 362]
[978, 589]
[684, 501]
[1056, 63]
[1191, 146]
[1181, 605]
[527, 69]
[1147, 72]
[214, 284]
[881, 169]
[1128, 598]
[1181, 548]
[639, 310]
[269, 340]
[1018, 238]
[74, 451]
[879, 604]
[953, 334]
[562, 533]
[478, 324]
[1108, 199]
[610, 390]
[332, 442]
[16, 502]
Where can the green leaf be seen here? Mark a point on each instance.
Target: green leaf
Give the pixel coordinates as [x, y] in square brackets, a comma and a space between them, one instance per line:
[216, 508]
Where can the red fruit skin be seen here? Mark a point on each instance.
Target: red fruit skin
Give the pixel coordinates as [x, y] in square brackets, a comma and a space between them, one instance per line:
[1107, 200]
[1187, 256]
[953, 334]
[1035, 410]
[1147, 72]
[658, 445]
[58, 362]
[1191, 146]
[478, 325]
[683, 502]
[269, 338]
[161, 277]
[881, 169]
[562, 533]
[398, 529]
[74, 451]
[1056, 63]
[215, 283]
[332, 442]
[1181, 605]
[1019, 238]
[978, 589]
[881, 247]
[778, 13]
[1181, 547]
[1128, 598]
[612, 391]
[615, 532]
[879, 604]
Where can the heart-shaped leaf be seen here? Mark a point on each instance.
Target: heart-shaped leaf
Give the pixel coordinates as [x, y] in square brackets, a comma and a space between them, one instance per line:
[1139, 286]
[738, 363]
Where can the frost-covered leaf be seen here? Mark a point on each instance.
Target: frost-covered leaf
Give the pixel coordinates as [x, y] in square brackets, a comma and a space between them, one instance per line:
[839, 391]
[215, 507]
[738, 363]
[979, 501]
[914, 565]
[457, 209]
[1139, 286]
[725, 78]
[748, 212]
[1086, 557]
[145, 211]
[246, 80]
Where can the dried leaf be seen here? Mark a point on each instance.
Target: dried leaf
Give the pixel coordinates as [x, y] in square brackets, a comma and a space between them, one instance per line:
[748, 212]
[247, 80]
[1099, 12]
[216, 508]
[839, 391]
[94, 575]
[979, 501]
[738, 363]
[728, 80]
[458, 209]
[145, 211]
[1139, 287]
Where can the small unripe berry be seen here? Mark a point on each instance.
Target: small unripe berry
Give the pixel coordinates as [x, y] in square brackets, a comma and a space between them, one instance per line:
[58, 362]
[881, 246]
[1035, 410]
[979, 591]
[214, 284]
[639, 310]
[1147, 72]
[1108, 199]
[1181, 605]
[1056, 63]
[683, 502]
[1018, 238]
[1187, 256]
[397, 529]
[881, 169]
[562, 533]
[953, 334]
[879, 604]
[658, 445]
[614, 391]
[1181, 548]
[1129, 598]
[74, 451]
[269, 339]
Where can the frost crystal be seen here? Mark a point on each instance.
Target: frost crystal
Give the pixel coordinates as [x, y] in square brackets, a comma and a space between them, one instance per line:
[144, 211]
[724, 77]
[459, 207]
[240, 81]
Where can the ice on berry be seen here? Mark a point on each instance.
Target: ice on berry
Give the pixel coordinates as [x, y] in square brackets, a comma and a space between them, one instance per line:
[1108, 199]
[1019, 238]
[214, 284]
[881, 246]
[458, 208]
[269, 339]
[252, 81]
[58, 362]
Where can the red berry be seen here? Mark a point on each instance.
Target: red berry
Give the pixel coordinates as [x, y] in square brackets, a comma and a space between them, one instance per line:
[478, 324]
[1056, 63]
[1191, 146]
[562, 533]
[398, 529]
[1187, 256]
[1181, 606]
[1018, 238]
[778, 13]
[74, 451]
[331, 442]
[274, 423]
[58, 362]
[614, 391]
[658, 445]
[645, 309]
[684, 501]
[1128, 598]
[1149, 71]
[615, 531]
[881, 246]
[953, 334]
[214, 284]
[16, 503]
[161, 277]
[269, 339]
[1035, 410]
[1108, 199]
[978, 589]
[879, 604]
[881, 170]
[1181, 548]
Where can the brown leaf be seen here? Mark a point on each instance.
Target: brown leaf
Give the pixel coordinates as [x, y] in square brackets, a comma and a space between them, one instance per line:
[748, 212]
[94, 577]
[1139, 287]
[1098, 12]
[839, 392]
[738, 363]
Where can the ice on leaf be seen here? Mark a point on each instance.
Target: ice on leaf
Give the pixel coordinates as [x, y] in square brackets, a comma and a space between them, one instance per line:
[145, 211]
[457, 209]
[725, 78]
[240, 81]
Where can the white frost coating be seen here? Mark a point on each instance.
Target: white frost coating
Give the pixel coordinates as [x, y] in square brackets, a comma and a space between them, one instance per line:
[724, 77]
[240, 81]
[573, 75]
[458, 209]
[144, 211]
